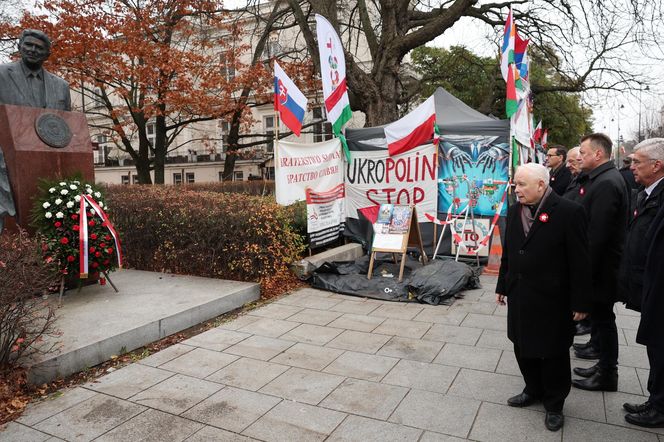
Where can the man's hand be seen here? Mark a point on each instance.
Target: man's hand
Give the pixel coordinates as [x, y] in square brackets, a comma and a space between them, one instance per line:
[500, 299]
[490, 158]
[578, 316]
[459, 158]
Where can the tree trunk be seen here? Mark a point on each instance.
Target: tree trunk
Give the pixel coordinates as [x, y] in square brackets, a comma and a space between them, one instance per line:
[229, 166]
[143, 170]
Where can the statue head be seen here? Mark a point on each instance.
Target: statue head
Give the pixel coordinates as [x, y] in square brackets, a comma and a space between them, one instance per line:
[34, 47]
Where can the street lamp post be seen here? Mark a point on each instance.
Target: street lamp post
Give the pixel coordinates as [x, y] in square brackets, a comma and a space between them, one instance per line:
[622, 106]
[647, 88]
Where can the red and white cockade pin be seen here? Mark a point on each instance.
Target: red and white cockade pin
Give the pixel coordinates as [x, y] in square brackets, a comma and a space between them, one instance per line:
[582, 191]
[544, 217]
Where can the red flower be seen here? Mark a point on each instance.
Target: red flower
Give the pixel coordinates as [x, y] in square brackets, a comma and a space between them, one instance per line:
[95, 265]
[107, 237]
[70, 258]
[58, 224]
[74, 217]
[93, 236]
[582, 191]
[107, 262]
[92, 249]
[102, 245]
[64, 240]
[544, 217]
[97, 254]
[48, 259]
[75, 227]
[104, 224]
[91, 223]
[102, 281]
[109, 250]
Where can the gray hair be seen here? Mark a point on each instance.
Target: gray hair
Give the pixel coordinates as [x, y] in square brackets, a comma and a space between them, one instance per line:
[36, 34]
[573, 151]
[652, 148]
[536, 170]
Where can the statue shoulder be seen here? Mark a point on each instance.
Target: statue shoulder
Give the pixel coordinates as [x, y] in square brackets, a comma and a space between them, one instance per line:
[8, 67]
[55, 78]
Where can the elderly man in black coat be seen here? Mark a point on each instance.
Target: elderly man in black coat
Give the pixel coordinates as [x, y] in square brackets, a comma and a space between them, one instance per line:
[604, 196]
[543, 301]
[641, 275]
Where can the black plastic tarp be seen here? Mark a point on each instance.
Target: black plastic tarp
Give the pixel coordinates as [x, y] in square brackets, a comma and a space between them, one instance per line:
[436, 283]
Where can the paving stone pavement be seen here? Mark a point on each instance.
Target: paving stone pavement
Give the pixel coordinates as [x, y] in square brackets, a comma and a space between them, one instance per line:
[315, 366]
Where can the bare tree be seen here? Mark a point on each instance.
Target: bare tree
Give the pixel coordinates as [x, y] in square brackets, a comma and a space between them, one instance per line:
[588, 41]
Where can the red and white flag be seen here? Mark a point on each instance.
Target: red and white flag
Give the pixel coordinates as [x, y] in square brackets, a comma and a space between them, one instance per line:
[545, 136]
[538, 132]
[413, 130]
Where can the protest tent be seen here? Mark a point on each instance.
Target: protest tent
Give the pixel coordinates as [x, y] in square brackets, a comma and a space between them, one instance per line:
[453, 118]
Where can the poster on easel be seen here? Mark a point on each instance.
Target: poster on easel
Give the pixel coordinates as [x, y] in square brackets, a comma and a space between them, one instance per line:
[396, 228]
[471, 233]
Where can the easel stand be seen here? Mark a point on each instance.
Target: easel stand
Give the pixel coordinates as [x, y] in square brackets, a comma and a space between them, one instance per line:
[412, 238]
[62, 287]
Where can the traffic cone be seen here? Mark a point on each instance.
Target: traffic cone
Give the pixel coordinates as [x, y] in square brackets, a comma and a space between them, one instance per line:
[495, 253]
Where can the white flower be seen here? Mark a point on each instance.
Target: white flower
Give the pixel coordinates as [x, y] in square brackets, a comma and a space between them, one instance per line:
[64, 191]
[46, 205]
[48, 215]
[98, 194]
[89, 190]
[70, 204]
[87, 185]
[73, 186]
[59, 215]
[77, 198]
[58, 201]
[77, 182]
[52, 190]
[62, 183]
[101, 204]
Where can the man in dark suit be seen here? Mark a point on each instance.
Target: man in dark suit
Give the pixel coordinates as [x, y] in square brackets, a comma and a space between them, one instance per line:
[27, 83]
[543, 301]
[627, 174]
[560, 175]
[604, 196]
[640, 275]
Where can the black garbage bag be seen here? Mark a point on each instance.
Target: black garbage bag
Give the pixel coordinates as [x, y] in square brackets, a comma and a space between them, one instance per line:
[442, 279]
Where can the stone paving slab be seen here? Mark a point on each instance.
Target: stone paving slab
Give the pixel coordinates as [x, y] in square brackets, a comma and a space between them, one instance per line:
[316, 365]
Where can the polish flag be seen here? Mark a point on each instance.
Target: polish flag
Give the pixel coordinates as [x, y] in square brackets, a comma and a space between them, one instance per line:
[545, 136]
[538, 132]
[415, 129]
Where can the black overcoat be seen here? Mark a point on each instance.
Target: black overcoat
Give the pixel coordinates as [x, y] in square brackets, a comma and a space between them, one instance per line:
[636, 245]
[544, 277]
[651, 327]
[604, 195]
[560, 179]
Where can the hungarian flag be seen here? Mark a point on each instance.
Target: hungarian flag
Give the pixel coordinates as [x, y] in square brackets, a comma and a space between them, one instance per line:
[509, 42]
[413, 130]
[288, 100]
[511, 103]
[333, 75]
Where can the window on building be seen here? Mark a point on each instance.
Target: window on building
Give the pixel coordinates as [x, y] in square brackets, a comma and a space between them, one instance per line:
[227, 66]
[270, 173]
[177, 178]
[101, 152]
[272, 49]
[97, 99]
[134, 179]
[268, 128]
[322, 129]
[238, 176]
[224, 129]
[124, 179]
[150, 131]
[190, 177]
[221, 176]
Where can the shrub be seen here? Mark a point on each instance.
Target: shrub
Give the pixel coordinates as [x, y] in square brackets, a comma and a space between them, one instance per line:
[25, 318]
[220, 235]
[261, 187]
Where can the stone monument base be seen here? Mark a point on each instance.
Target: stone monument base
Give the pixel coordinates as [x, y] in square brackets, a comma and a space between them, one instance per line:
[29, 159]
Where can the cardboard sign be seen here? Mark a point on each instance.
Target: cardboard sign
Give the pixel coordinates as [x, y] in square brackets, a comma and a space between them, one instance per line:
[471, 235]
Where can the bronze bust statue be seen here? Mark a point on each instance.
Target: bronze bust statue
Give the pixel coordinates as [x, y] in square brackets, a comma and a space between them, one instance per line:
[27, 83]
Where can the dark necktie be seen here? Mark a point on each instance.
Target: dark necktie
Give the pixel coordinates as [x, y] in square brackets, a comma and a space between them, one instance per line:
[641, 198]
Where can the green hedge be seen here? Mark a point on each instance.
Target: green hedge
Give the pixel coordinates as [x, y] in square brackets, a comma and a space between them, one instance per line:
[222, 235]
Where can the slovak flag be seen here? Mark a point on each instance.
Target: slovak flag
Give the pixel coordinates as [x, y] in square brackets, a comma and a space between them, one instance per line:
[288, 100]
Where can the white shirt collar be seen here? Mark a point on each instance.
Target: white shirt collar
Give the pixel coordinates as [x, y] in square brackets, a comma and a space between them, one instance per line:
[651, 187]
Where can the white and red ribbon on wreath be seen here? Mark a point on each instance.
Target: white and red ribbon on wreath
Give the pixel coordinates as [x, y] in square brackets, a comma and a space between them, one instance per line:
[83, 233]
[484, 241]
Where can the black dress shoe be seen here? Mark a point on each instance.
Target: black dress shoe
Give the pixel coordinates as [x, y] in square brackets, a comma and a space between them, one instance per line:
[554, 421]
[582, 329]
[521, 400]
[581, 346]
[602, 380]
[650, 418]
[585, 372]
[636, 408]
[587, 353]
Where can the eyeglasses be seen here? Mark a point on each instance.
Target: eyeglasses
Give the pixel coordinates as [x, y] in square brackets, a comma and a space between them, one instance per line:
[637, 162]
